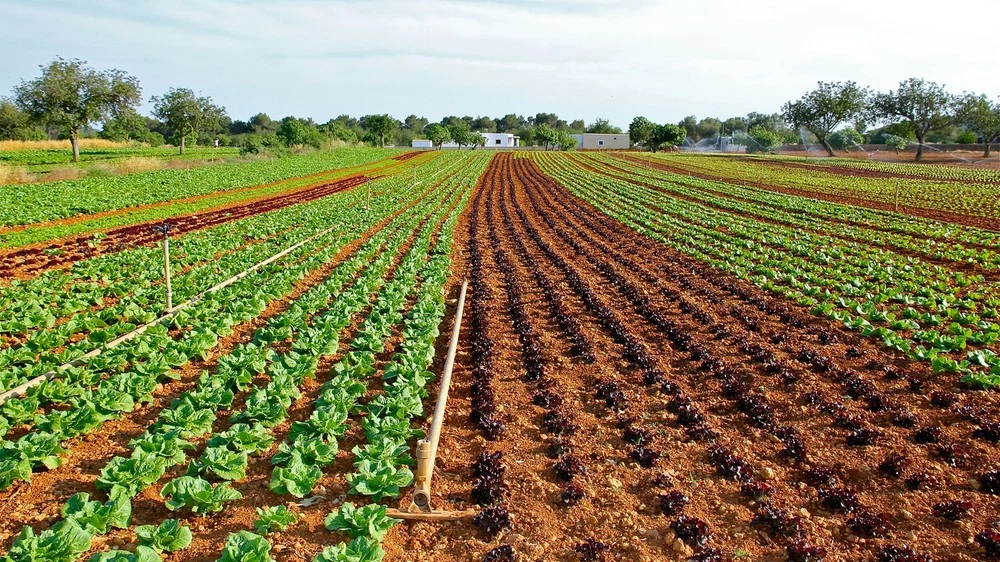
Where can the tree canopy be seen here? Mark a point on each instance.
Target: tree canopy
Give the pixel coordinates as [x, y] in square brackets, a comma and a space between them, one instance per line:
[827, 107]
[378, 128]
[982, 116]
[185, 113]
[924, 106]
[601, 125]
[437, 133]
[71, 96]
[640, 131]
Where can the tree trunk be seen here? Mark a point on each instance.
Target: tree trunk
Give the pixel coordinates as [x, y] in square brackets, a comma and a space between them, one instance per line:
[826, 145]
[920, 148]
[74, 141]
[182, 142]
[986, 153]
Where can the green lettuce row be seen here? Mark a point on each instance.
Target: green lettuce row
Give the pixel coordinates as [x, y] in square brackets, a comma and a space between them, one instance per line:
[164, 445]
[41, 448]
[750, 261]
[381, 466]
[183, 321]
[312, 444]
[274, 230]
[26, 204]
[806, 213]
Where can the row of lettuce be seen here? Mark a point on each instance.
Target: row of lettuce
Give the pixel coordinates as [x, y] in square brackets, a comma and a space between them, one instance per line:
[399, 274]
[940, 188]
[114, 383]
[925, 310]
[31, 203]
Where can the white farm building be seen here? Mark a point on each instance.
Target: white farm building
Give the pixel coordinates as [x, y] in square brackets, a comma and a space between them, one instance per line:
[501, 140]
[491, 140]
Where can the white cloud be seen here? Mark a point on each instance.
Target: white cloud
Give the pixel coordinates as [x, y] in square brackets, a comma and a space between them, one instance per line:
[578, 59]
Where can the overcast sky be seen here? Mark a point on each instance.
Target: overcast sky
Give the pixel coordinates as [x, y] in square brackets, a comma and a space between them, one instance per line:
[577, 58]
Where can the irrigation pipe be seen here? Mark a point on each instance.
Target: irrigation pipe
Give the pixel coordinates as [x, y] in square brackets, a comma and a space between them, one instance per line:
[426, 453]
[23, 387]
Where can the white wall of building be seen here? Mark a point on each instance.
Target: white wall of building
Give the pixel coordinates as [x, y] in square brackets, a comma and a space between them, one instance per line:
[493, 140]
[421, 143]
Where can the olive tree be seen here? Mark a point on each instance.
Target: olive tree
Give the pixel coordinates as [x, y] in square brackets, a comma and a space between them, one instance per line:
[666, 136]
[378, 128]
[545, 136]
[185, 113]
[564, 140]
[71, 95]
[462, 134]
[827, 107]
[640, 131]
[981, 115]
[923, 106]
[437, 133]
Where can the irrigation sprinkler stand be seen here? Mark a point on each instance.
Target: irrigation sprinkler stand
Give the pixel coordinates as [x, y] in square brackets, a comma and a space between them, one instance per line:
[420, 506]
[165, 229]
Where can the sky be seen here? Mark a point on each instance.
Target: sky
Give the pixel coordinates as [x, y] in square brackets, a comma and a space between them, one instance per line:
[580, 59]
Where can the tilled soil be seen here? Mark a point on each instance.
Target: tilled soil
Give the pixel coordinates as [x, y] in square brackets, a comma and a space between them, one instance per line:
[33, 260]
[771, 423]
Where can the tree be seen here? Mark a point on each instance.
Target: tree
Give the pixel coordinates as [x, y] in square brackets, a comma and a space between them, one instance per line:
[601, 125]
[565, 140]
[981, 116]
[484, 125]
[666, 136]
[414, 123]
[545, 136]
[336, 130]
[550, 119]
[295, 132]
[690, 124]
[510, 123]
[378, 128]
[845, 138]
[895, 142]
[640, 131]
[577, 126]
[127, 126]
[437, 133]
[760, 139]
[708, 127]
[827, 107]
[16, 124]
[185, 113]
[462, 133]
[733, 124]
[925, 106]
[70, 95]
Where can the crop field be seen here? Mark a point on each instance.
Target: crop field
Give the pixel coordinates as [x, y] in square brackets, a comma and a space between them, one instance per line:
[13, 153]
[666, 357]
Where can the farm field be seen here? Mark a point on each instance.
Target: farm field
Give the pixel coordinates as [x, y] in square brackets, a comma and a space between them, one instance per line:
[41, 160]
[953, 194]
[666, 357]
